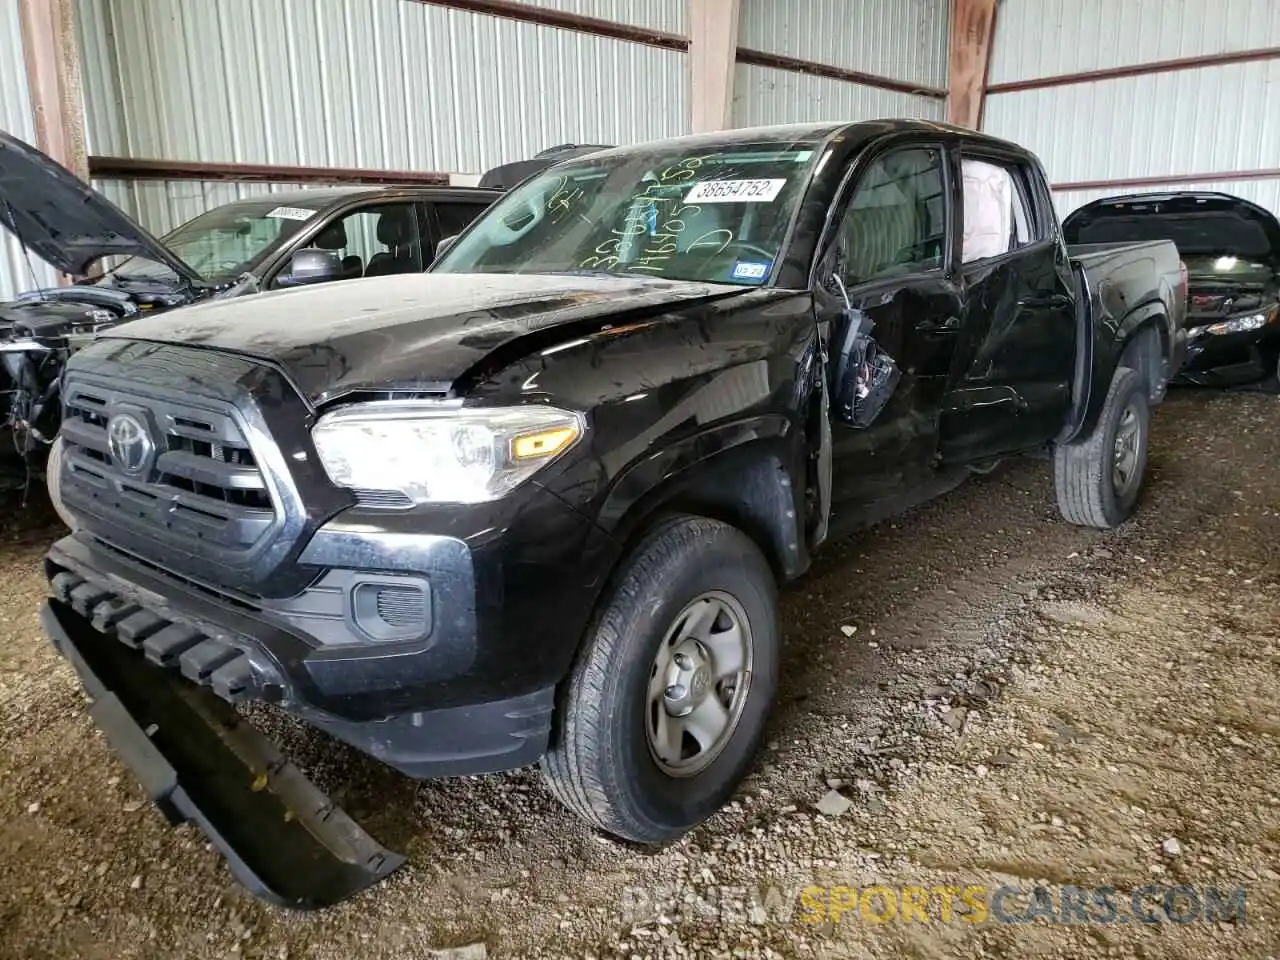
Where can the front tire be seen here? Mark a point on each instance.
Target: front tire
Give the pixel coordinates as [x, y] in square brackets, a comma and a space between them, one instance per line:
[1099, 478]
[53, 483]
[665, 708]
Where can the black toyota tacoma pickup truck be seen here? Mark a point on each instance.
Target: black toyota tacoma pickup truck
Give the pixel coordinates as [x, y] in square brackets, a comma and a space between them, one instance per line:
[534, 505]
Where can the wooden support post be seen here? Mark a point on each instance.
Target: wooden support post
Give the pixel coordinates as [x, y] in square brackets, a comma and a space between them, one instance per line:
[52, 60]
[53, 76]
[972, 28]
[713, 48]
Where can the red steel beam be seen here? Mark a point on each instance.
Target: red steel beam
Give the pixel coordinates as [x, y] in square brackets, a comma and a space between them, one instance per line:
[1139, 70]
[1271, 173]
[133, 168]
[777, 61]
[543, 16]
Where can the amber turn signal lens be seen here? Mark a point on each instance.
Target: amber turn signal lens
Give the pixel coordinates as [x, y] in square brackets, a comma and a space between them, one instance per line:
[544, 443]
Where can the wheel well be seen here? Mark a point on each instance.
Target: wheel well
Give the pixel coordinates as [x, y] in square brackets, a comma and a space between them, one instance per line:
[1146, 351]
[756, 497]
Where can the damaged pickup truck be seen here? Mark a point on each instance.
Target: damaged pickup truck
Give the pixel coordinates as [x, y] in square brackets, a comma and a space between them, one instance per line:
[535, 505]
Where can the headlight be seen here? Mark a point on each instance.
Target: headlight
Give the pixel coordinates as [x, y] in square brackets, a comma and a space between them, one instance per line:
[441, 454]
[1254, 321]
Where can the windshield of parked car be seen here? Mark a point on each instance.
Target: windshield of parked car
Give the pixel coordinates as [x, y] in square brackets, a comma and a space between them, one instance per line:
[716, 214]
[225, 242]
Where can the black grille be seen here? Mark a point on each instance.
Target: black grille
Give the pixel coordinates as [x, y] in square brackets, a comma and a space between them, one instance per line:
[383, 499]
[201, 481]
[401, 606]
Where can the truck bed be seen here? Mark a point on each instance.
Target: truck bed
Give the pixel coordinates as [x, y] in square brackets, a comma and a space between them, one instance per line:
[1120, 279]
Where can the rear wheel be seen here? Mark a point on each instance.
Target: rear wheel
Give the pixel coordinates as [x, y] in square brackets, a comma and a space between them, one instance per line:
[1099, 478]
[664, 711]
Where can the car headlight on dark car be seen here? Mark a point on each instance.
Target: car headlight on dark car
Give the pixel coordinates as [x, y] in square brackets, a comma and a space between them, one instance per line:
[1243, 324]
[442, 453]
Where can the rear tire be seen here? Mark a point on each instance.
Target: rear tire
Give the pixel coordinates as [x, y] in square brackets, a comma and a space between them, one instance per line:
[1099, 478]
[618, 752]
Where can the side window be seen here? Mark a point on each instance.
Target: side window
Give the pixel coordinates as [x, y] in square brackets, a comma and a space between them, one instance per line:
[455, 217]
[997, 211]
[375, 241]
[896, 222]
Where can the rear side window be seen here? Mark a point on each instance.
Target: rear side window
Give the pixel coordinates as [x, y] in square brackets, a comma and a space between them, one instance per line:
[997, 210]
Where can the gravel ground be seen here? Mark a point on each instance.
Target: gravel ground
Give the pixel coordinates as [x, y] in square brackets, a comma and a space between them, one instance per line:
[977, 694]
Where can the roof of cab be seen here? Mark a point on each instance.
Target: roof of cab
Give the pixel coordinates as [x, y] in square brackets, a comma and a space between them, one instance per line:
[811, 132]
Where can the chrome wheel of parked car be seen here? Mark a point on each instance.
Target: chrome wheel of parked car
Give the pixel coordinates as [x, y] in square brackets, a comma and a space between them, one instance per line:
[698, 684]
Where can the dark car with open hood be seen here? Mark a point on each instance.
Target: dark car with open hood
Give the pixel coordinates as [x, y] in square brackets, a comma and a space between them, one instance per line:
[535, 505]
[278, 240]
[1232, 251]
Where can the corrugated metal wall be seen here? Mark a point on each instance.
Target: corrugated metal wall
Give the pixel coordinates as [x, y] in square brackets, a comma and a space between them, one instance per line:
[379, 84]
[1044, 38]
[17, 272]
[763, 95]
[1201, 121]
[903, 40]
[376, 84]
[899, 39]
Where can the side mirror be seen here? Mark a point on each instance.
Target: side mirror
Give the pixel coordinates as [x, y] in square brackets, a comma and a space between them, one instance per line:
[444, 245]
[312, 266]
[865, 376]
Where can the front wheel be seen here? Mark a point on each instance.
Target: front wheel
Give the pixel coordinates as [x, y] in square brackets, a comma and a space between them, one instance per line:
[1099, 478]
[664, 711]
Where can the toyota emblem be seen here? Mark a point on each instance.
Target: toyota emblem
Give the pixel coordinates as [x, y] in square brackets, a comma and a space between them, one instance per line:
[129, 442]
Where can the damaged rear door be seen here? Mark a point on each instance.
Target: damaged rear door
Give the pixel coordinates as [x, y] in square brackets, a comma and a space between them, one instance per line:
[1018, 354]
[891, 286]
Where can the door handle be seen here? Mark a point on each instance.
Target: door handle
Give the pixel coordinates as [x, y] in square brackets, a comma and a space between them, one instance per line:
[1057, 301]
[938, 325]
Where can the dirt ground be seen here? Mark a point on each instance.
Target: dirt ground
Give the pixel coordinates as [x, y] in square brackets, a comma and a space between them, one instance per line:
[994, 697]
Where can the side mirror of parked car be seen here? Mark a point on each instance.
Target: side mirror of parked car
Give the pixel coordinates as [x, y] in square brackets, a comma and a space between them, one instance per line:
[444, 245]
[312, 266]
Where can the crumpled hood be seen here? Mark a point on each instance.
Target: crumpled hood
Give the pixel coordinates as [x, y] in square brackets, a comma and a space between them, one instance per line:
[63, 220]
[411, 332]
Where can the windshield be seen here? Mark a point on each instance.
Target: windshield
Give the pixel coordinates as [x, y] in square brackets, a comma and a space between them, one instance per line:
[225, 242]
[1196, 233]
[718, 214]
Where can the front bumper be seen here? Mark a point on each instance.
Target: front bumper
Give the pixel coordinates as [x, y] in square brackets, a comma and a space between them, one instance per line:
[243, 656]
[472, 694]
[283, 839]
[1231, 359]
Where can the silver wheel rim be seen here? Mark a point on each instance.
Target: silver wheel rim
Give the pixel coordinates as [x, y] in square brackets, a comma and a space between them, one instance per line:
[1128, 447]
[698, 684]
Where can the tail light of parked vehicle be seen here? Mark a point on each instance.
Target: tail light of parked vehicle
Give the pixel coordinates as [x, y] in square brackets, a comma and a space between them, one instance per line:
[1184, 278]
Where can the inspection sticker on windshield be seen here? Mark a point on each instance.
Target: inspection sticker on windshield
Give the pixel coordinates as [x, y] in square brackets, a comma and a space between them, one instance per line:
[735, 191]
[749, 270]
[291, 213]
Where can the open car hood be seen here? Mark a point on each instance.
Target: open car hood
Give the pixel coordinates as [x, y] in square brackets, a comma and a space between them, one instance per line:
[1200, 223]
[64, 221]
